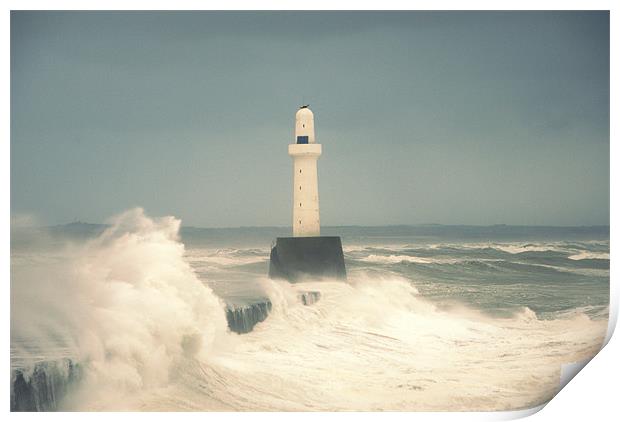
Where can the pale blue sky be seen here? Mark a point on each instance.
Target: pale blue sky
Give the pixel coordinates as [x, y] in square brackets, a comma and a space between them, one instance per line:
[453, 118]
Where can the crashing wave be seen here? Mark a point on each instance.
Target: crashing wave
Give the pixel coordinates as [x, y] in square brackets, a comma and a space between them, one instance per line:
[589, 255]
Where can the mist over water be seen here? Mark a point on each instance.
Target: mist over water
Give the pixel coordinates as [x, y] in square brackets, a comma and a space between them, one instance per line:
[423, 323]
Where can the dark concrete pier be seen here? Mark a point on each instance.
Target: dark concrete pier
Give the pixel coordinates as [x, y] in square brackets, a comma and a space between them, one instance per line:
[298, 258]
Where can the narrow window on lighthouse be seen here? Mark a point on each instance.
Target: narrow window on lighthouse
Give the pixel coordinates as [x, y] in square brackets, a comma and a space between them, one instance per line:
[300, 204]
[299, 187]
[299, 221]
[299, 171]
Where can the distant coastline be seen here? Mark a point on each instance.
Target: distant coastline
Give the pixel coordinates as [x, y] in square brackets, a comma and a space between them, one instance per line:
[95, 226]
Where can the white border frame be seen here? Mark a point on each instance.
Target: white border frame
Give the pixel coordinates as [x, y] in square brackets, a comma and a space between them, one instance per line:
[595, 386]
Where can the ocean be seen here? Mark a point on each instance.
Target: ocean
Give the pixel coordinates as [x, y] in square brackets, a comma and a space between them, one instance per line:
[145, 314]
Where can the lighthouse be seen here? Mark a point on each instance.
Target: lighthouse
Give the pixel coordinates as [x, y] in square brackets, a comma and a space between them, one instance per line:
[307, 255]
[305, 153]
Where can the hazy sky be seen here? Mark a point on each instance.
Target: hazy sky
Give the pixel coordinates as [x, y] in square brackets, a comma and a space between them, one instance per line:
[453, 118]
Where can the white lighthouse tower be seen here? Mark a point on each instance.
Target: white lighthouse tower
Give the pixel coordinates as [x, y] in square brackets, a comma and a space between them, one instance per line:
[306, 255]
[305, 152]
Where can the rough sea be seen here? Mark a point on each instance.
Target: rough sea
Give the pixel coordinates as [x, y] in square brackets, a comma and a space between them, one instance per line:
[143, 314]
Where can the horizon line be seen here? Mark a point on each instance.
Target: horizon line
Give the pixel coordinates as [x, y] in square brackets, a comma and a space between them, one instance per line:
[353, 225]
